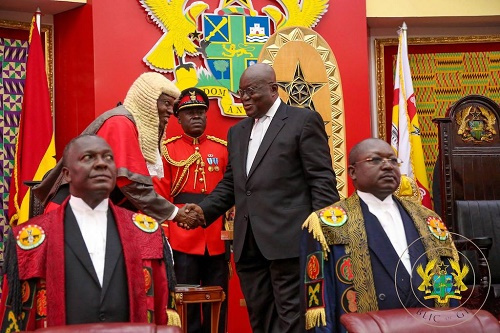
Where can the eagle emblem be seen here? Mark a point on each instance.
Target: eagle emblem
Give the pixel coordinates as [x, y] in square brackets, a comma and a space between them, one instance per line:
[226, 41]
[438, 283]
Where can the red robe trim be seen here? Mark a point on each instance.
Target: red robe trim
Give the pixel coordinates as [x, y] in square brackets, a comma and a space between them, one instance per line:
[141, 251]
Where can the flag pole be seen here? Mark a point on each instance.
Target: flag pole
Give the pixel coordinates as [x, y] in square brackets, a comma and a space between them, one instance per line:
[38, 15]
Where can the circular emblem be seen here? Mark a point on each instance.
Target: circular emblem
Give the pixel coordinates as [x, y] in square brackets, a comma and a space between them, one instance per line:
[437, 228]
[333, 216]
[145, 223]
[343, 270]
[30, 237]
[147, 279]
[348, 300]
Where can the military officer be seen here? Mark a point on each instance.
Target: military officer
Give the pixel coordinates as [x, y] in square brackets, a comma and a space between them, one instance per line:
[193, 165]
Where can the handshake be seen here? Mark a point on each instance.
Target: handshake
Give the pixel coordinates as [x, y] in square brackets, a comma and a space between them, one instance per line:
[190, 217]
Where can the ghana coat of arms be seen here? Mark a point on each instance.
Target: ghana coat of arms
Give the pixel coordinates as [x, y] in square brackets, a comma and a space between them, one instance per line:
[210, 50]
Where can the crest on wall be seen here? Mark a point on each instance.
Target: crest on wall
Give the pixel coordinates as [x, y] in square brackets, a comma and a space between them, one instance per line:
[211, 50]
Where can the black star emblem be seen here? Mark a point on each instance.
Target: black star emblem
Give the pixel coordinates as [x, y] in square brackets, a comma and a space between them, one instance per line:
[300, 91]
[195, 35]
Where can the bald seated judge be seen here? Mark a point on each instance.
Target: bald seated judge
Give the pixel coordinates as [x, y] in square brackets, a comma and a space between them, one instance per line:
[87, 261]
[355, 251]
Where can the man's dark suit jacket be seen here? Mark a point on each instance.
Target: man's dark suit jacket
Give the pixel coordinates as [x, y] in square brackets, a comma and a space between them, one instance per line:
[86, 301]
[291, 176]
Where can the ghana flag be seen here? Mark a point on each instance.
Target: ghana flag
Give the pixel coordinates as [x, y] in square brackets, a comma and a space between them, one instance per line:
[35, 148]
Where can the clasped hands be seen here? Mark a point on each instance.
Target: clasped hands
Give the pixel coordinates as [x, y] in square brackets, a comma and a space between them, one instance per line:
[190, 217]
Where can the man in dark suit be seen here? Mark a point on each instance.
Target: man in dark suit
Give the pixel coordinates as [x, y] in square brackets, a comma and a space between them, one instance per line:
[363, 253]
[279, 171]
[89, 260]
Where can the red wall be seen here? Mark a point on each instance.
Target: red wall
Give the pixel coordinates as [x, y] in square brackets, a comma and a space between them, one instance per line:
[74, 92]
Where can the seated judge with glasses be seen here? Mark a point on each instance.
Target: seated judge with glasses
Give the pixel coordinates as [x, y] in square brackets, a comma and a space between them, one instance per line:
[363, 253]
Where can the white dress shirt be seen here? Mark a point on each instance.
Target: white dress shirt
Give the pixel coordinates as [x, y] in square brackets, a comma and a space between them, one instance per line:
[156, 169]
[388, 214]
[93, 224]
[258, 134]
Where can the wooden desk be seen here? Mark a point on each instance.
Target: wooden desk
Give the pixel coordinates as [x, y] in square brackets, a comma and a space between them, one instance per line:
[189, 295]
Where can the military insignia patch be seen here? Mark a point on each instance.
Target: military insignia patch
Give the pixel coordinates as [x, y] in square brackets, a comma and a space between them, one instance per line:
[333, 216]
[314, 295]
[348, 300]
[314, 267]
[145, 223]
[30, 237]
[343, 270]
[437, 228]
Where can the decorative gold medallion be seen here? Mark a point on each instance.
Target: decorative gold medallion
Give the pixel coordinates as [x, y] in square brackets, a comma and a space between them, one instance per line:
[30, 237]
[145, 223]
[437, 228]
[333, 216]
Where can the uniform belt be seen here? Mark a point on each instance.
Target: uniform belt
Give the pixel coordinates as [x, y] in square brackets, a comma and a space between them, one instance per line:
[183, 198]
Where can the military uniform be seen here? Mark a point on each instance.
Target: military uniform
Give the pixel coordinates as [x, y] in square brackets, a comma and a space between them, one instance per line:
[192, 169]
[193, 166]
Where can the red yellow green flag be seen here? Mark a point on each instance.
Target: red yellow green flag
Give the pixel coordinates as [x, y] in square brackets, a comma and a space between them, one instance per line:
[35, 148]
[405, 132]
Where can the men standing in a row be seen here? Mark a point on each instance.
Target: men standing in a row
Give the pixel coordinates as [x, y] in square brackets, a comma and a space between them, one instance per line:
[193, 165]
[87, 261]
[279, 171]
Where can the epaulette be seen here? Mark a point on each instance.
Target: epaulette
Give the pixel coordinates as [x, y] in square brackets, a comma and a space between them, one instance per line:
[171, 139]
[216, 139]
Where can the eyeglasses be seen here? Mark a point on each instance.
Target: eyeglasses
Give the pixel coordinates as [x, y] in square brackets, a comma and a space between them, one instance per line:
[251, 91]
[394, 161]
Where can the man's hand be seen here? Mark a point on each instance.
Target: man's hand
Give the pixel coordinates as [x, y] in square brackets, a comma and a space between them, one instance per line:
[190, 217]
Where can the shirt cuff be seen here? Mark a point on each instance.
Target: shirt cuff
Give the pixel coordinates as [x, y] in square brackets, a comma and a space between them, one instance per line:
[174, 213]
